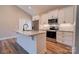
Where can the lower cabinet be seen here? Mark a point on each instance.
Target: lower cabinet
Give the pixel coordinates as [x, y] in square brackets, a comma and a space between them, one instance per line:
[41, 43]
[65, 37]
[35, 44]
[27, 42]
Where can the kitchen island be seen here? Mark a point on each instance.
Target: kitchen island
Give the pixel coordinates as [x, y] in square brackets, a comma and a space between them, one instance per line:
[34, 42]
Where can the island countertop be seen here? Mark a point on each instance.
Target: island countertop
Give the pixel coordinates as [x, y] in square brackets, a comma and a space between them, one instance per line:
[31, 33]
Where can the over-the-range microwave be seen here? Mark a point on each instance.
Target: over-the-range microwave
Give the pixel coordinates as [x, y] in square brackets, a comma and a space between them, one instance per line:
[53, 21]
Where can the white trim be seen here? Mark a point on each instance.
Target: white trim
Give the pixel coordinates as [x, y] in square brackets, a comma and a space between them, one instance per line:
[73, 50]
[7, 37]
[73, 45]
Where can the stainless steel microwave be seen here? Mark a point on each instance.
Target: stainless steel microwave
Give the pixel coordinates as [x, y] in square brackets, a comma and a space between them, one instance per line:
[53, 21]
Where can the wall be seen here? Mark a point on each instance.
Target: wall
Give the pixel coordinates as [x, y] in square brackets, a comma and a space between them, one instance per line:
[77, 32]
[9, 19]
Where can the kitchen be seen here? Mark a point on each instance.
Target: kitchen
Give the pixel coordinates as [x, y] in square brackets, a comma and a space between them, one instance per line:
[51, 30]
[58, 24]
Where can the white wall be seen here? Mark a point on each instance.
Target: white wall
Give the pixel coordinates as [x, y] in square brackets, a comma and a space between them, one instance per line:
[9, 19]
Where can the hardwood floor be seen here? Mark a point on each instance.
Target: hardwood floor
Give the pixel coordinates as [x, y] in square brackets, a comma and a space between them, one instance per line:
[57, 48]
[10, 46]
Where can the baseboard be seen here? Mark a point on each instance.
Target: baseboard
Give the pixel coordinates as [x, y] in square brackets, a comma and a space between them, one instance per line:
[7, 37]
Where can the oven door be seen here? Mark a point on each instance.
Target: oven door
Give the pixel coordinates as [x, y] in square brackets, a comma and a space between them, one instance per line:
[51, 34]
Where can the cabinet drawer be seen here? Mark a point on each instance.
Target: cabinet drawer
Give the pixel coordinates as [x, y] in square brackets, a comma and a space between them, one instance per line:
[68, 42]
[68, 33]
[65, 37]
[68, 38]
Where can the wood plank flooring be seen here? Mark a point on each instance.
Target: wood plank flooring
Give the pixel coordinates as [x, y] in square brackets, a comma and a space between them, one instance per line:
[10, 46]
[57, 48]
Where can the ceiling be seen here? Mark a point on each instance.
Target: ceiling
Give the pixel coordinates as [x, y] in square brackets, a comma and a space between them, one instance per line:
[38, 9]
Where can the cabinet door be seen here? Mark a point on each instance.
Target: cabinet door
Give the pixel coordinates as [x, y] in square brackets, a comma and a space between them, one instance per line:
[41, 43]
[61, 16]
[37, 17]
[65, 15]
[68, 14]
[44, 19]
[65, 38]
[53, 14]
[60, 37]
[68, 38]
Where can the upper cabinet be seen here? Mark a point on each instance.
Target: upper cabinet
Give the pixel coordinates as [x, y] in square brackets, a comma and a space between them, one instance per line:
[49, 15]
[61, 16]
[68, 13]
[65, 15]
[37, 17]
[44, 19]
[53, 14]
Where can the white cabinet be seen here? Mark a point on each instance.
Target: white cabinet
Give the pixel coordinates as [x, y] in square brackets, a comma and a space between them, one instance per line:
[37, 17]
[61, 16]
[68, 14]
[53, 14]
[65, 37]
[65, 15]
[49, 15]
[41, 43]
[68, 38]
[44, 19]
[59, 37]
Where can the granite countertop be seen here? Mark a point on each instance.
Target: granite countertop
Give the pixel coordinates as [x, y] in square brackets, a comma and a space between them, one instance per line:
[30, 33]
